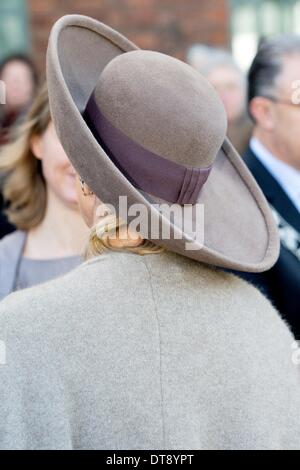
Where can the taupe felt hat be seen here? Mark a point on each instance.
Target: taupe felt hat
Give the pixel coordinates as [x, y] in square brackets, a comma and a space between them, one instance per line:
[147, 126]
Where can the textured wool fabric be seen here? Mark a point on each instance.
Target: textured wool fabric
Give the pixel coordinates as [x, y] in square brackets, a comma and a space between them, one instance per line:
[171, 110]
[153, 352]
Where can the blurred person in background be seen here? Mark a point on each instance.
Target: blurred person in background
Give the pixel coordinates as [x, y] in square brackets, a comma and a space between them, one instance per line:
[20, 79]
[144, 348]
[273, 157]
[218, 66]
[40, 189]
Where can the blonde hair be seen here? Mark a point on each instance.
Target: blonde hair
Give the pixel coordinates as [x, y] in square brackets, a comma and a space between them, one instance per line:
[100, 240]
[24, 187]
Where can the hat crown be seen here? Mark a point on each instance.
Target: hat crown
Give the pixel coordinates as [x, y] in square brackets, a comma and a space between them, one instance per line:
[164, 105]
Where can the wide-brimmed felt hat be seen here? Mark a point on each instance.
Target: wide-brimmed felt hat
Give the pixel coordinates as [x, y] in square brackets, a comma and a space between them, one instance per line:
[145, 125]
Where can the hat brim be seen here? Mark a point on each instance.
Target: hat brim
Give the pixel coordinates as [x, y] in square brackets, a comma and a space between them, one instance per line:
[239, 230]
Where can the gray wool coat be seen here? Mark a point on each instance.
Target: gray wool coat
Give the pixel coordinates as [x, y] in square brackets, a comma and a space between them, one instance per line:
[11, 250]
[152, 352]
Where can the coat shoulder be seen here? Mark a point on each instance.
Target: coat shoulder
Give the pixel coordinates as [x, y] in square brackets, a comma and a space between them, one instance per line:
[168, 285]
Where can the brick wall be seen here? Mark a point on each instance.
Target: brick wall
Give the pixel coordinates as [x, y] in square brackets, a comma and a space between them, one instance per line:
[168, 26]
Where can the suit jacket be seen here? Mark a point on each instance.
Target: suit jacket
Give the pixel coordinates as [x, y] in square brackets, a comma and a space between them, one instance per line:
[282, 282]
[146, 352]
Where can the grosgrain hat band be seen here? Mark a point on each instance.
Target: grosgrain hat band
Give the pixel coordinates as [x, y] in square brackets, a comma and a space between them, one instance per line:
[147, 171]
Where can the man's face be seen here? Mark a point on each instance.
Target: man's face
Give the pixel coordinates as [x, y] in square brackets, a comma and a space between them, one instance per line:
[286, 115]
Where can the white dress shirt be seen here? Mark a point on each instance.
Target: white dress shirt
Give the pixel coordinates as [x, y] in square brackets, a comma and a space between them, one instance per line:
[286, 176]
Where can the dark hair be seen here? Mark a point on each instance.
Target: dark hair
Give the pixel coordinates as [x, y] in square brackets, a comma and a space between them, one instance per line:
[25, 60]
[267, 64]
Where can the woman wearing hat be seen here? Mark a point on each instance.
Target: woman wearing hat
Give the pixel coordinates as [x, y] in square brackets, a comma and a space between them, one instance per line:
[148, 345]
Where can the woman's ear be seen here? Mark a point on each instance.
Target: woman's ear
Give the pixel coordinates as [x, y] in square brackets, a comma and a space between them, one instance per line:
[36, 146]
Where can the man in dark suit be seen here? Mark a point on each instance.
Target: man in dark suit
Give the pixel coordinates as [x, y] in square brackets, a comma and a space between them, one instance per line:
[273, 157]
